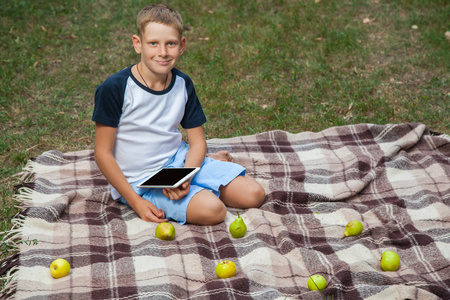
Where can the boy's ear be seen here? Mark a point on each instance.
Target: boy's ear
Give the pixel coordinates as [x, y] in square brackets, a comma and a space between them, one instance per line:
[182, 45]
[137, 44]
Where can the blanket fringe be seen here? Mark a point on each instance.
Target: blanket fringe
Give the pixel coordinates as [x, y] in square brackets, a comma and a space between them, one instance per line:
[24, 197]
[10, 281]
[27, 173]
[9, 277]
[13, 237]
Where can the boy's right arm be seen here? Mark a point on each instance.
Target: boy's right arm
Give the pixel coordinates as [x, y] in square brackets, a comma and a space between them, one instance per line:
[105, 137]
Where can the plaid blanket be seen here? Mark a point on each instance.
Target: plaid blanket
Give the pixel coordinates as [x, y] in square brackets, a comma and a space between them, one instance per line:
[395, 179]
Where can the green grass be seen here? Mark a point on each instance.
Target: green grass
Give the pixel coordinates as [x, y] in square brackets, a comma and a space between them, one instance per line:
[257, 65]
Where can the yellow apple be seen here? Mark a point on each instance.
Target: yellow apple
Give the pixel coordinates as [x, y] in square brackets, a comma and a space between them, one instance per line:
[59, 268]
[226, 269]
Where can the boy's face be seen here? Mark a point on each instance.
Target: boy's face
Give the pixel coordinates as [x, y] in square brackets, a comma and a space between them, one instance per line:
[160, 46]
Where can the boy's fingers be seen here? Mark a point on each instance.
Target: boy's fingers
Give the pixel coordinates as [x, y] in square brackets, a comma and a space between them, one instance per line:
[168, 193]
[156, 220]
[182, 193]
[153, 214]
[157, 212]
[156, 216]
[173, 194]
[177, 193]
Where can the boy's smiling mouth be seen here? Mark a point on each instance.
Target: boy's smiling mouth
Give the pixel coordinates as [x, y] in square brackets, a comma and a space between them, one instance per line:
[163, 62]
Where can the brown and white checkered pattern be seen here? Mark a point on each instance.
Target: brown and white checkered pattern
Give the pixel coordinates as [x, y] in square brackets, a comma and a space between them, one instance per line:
[395, 179]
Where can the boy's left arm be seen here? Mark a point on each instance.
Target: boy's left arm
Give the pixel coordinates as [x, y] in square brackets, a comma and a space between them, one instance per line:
[197, 147]
[194, 158]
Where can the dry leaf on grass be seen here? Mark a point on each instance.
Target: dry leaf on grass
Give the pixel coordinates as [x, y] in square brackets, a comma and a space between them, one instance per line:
[447, 35]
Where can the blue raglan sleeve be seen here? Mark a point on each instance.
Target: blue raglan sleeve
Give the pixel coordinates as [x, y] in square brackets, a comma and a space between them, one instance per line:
[109, 102]
[193, 114]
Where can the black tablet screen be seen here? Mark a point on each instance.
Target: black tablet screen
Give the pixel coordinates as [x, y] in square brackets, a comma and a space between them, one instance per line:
[168, 176]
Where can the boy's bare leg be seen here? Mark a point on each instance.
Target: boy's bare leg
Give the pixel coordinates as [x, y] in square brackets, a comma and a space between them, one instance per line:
[205, 209]
[222, 155]
[242, 192]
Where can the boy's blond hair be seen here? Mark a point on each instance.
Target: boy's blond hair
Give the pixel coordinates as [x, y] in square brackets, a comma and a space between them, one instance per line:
[159, 13]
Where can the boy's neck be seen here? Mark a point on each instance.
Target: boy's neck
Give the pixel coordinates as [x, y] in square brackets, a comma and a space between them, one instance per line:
[153, 86]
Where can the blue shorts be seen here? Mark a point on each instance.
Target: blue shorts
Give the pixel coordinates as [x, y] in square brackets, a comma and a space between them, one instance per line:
[212, 175]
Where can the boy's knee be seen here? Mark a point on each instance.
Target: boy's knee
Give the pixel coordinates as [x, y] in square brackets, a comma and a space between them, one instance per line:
[213, 213]
[218, 213]
[206, 211]
[256, 196]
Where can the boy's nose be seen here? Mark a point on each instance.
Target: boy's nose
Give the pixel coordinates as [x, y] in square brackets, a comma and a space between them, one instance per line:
[163, 51]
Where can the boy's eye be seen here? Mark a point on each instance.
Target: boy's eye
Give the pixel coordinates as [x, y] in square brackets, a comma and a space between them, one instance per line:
[152, 43]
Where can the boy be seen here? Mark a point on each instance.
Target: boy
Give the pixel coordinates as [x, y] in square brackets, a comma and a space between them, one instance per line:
[137, 113]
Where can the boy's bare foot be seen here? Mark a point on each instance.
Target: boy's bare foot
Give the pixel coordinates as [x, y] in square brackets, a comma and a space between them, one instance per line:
[222, 155]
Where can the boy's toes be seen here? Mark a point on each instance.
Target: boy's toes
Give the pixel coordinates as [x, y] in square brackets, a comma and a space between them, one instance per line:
[222, 155]
[228, 156]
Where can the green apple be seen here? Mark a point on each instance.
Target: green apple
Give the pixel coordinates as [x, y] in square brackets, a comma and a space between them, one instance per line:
[353, 228]
[316, 282]
[165, 231]
[390, 261]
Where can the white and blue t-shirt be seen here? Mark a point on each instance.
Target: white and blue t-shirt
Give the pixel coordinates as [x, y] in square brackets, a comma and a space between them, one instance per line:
[147, 121]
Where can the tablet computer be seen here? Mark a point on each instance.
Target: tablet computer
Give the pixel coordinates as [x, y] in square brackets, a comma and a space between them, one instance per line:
[168, 178]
